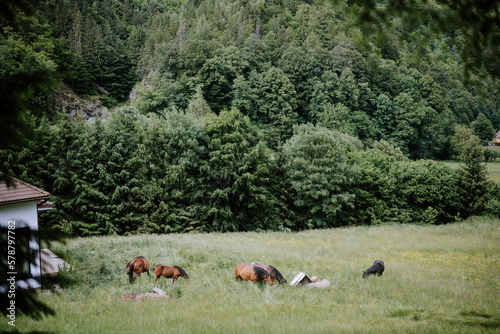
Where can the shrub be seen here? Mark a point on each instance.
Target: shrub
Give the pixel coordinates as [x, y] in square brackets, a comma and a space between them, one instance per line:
[388, 188]
[492, 207]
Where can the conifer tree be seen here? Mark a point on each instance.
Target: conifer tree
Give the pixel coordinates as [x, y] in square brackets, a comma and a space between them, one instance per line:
[198, 106]
[473, 175]
[172, 149]
[236, 176]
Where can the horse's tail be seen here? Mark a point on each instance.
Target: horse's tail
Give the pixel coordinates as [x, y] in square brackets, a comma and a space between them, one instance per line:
[278, 275]
[131, 273]
[183, 273]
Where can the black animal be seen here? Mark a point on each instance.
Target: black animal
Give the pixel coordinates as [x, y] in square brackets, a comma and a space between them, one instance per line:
[377, 269]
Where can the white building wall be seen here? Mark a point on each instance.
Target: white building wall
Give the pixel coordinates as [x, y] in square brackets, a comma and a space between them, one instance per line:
[24, 214]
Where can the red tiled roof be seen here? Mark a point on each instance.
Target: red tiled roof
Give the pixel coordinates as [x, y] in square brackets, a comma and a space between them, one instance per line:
[20, 192]
[43, 203]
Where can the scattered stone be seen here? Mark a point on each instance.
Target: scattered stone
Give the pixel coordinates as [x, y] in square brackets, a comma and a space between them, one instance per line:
[57, 287]
[137, 296]
[320, 284]
[159, 291]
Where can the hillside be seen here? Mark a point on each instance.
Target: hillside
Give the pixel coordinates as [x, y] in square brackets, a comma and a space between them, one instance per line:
[281, 63]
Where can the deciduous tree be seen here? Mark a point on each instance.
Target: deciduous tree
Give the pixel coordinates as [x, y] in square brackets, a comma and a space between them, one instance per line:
[483, 128]
[320, 175]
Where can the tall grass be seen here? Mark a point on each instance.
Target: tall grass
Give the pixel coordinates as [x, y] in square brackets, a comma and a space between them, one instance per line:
[438, 279]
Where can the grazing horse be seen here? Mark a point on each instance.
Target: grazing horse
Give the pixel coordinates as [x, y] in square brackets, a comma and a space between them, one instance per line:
[255, 274]
[137, 265]
[377, 269]
[271, 270]
[169, 272]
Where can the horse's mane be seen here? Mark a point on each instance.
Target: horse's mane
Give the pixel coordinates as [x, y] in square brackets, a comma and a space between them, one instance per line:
[260, 273]
[278, 275]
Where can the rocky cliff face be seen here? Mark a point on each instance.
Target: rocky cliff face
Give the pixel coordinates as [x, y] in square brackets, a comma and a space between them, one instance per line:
[70, 103]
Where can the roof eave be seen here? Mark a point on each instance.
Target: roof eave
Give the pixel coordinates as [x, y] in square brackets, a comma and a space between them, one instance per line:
[25, 200]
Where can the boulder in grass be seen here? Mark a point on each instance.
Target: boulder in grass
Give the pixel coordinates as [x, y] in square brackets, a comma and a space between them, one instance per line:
[137, 296]
[320, 284]
[51, 263]
[313, 282]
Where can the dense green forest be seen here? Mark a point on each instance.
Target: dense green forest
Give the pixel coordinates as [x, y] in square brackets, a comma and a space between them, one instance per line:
[242, 115]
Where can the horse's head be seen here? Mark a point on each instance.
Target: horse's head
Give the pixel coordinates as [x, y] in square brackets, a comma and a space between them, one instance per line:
[270, 280]
[275, 273]
[263, 275]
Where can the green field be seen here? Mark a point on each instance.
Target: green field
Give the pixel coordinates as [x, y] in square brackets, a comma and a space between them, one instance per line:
[493, 168]
[494, 171]
[438, 279]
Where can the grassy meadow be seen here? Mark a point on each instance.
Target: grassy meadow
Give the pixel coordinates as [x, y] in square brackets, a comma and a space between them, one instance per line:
[493, 167]
[493, 171]
[438, 279]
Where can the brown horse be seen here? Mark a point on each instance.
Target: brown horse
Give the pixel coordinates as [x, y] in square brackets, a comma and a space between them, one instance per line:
[137, 265]
[271, 270]
[169, 272]
[254, 274]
